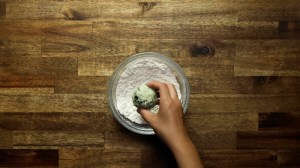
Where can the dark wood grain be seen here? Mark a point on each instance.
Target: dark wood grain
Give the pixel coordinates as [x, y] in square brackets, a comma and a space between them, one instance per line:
[161, 157]
[221, 121]
[169, 29]
[279, 121]
[26, 90]
[205, 140]
[97, 66]
[53, 103]
[29, 158]
[243, 103]
[67, 40]
[22, 48]
[99, 158]
[106, 59]
[119, 138]
[288, 158]
[269, 10]
[81, 84]
[239, 158]
[276, 140]
[31, 9]
[267, 58]
[78, 10]
[216, 83]
[46, 31]
[56, 139]
[104, 66]
[6, 139]
[56, 58]
[289, 29]
[53, 121]
[20, 31]
[2, 10]
[38, 66]
[81, 157]
[107, 47]
[3, 48]
[18, 81]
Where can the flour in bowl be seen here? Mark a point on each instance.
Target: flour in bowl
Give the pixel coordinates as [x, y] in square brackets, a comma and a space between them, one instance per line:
[140, 72]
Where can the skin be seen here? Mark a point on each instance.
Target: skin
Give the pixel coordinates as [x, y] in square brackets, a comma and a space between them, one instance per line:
[169, 126]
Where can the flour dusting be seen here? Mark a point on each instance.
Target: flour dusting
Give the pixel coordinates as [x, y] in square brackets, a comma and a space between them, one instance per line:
[140, 72]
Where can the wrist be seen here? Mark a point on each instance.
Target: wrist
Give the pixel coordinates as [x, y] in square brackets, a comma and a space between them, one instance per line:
[179, 142]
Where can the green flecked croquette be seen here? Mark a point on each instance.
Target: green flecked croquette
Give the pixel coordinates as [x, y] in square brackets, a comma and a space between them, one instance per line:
[144, 97]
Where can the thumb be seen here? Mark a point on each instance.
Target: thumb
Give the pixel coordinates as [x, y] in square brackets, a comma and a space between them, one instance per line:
[146, 114]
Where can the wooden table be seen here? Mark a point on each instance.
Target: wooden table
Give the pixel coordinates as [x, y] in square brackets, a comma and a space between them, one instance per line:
[56, 58]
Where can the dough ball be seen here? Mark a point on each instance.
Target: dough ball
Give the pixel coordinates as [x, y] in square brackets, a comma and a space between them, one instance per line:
[144, 97]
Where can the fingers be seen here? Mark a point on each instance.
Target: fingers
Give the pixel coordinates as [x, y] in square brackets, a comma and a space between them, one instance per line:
[165, 89]
[147, 115]
[172, 91]
[162, 88]
[154, 84]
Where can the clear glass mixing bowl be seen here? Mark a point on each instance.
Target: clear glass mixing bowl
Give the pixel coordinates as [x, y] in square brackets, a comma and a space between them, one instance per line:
[145, 129]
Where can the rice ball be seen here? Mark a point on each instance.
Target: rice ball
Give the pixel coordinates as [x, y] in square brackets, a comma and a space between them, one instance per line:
[143, 96]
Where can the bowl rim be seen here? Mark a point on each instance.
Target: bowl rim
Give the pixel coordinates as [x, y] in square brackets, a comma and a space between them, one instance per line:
[122, 65]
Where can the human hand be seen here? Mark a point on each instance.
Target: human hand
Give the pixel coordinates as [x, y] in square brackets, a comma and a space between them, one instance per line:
[168, 122]
[168, 125]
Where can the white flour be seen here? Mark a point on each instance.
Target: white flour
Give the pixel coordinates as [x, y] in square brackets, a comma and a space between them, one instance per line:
[141, 72]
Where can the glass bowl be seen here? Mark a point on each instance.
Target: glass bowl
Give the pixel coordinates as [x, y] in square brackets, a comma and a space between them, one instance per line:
[181, 78]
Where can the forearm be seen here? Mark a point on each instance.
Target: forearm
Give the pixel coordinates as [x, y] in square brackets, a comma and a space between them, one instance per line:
[168, 125]
[186, 153]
